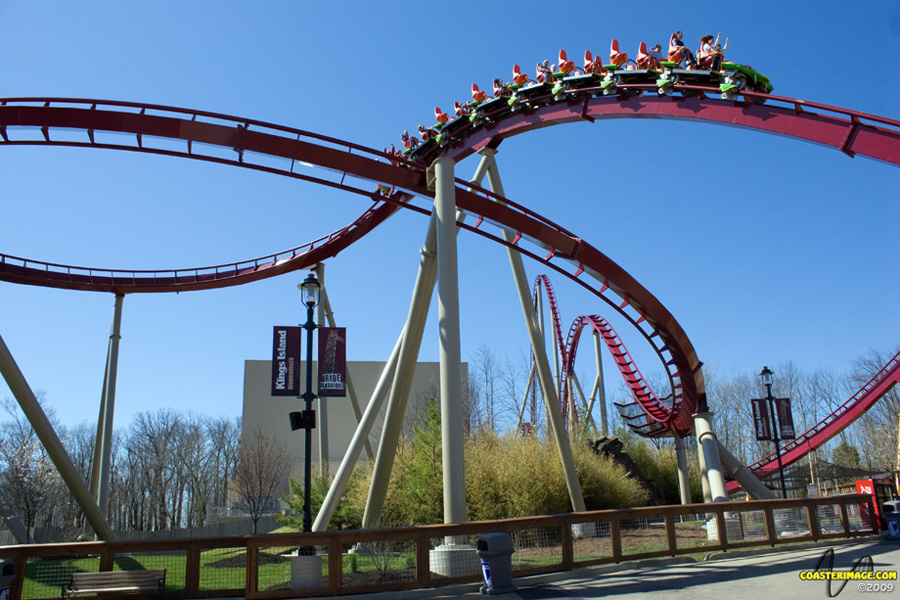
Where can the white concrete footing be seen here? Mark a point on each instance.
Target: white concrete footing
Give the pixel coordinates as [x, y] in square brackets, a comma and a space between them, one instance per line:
[454, 560]
[306, 572]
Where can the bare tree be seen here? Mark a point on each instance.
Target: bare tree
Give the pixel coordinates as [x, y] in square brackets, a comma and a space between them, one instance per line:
[259, 474]
[29, 482]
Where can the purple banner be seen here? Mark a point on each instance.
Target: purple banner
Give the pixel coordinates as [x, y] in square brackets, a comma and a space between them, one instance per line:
[332, 361]
[785, 418]
[761, 422]
[286, 361]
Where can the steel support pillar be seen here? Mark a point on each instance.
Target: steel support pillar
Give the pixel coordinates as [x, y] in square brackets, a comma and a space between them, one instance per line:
[322, 414]
[600, 386]
[545, 377]
[52, 444]
[708, 447]
[452, 423]
[409, 353]
[351, 391]
[737, 470]
[684, 482]
[103, 447]
[359, 440]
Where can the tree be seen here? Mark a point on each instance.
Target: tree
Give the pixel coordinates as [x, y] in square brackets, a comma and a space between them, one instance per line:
[259, 474]
[29, 482]
[846, 455]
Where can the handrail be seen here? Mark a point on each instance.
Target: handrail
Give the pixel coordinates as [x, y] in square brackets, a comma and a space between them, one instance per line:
[570, 541]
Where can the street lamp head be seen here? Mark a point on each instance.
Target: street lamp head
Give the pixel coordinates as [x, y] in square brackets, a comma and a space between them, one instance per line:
[766, 377]
[310, 289]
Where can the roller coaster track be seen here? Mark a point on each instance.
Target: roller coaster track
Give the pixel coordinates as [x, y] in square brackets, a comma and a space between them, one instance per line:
[646, 403]
[263, 146]
[827, 428]
[653, 415]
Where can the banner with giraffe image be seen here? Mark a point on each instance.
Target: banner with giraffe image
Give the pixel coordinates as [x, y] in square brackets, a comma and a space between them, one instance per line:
[332, 361]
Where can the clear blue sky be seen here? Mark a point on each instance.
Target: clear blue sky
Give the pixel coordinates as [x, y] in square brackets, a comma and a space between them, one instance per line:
[765, 249]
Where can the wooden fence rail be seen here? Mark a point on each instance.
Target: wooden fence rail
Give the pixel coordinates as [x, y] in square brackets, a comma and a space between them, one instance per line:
[258, 567]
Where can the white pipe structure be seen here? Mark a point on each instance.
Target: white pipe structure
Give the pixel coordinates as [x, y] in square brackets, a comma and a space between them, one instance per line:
[684, 485]
[525, 400]
[709, 450]
[452, 424]
[739, 471]
[360, 439]
[351, 391]
[322, 414]
[600, 387]
[55, 449]
[548, 390]
[103, 446]
[409, 352]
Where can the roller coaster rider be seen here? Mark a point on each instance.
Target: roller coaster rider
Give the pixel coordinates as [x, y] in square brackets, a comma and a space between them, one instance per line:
[678, 51]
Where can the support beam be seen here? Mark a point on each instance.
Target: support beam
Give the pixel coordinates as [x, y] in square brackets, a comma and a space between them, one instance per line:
[351, 391]
[55, 449]
[545, 377]
[409, 354]
[708, 447]
[684, 482]
[103, 446]
[737, 470]
[360, 439]
[322, 413]
[525, 400]
[452, 424]
[600, 386]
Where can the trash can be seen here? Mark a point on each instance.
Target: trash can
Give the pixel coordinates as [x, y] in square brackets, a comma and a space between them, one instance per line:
[7, 575]
[891, 510]
[495, 551]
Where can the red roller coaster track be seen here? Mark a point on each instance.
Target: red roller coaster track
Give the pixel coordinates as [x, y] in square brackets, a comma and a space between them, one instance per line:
[252, 142]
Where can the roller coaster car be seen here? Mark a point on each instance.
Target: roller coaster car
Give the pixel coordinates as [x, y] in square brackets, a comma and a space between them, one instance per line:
[565, 86]
[740, 77]
[530, 96]
[489, 110]
[616, 77]
[451, 128]
[672, 76]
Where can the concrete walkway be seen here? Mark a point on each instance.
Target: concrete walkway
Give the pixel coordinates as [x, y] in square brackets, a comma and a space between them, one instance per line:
[773, 575]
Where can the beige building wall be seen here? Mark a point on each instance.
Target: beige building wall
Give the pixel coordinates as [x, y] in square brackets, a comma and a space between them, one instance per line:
[271, 412]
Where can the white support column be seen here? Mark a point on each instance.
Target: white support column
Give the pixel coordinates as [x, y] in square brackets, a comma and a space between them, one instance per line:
[51, 442]
[99, 481]
[452, 425]
[551, 398]
[351, 391]
[737, 470]
[684, 484]
[409, 353]
[709, 449]
[601, 387]
[322, 414]
[525, 400]
[359, 440]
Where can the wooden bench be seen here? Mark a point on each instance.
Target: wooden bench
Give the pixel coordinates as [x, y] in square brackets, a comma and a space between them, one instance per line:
[125, 582]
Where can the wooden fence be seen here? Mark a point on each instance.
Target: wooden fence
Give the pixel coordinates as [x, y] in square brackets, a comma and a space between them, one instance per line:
[363, 561]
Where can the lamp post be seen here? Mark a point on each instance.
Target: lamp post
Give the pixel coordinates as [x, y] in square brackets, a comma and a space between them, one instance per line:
[310, 292]
[767, 377]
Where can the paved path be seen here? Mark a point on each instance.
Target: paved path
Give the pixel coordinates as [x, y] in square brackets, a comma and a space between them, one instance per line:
[771, 576]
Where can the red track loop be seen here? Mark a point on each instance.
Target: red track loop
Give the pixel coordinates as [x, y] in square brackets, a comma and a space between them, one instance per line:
[654, 416]
[830, 426]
